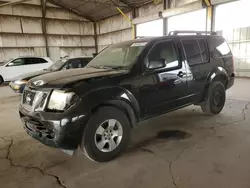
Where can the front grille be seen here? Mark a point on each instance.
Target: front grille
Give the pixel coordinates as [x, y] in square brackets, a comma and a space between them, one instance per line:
[34, 100]
[40, 130]
[37, 128]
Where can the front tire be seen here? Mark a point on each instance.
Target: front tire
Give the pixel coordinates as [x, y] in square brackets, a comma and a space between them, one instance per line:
[106, 134]
[216, 98]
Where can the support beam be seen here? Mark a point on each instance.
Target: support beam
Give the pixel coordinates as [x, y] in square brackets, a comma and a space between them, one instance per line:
[44, 28]
[13, 2]
[166, 5]
[95, 37]
[134, 15]
[216, 2]
[209, 15]
[129, 20]
[127, 3]
[72, 10]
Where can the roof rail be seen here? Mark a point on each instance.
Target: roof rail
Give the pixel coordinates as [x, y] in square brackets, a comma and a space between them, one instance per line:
[193, 32]
[142, 37]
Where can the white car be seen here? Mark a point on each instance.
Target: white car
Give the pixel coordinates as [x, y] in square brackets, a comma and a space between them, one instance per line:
[22, 65]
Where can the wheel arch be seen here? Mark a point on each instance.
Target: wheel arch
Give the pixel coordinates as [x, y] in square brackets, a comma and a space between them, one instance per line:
[121, 105]
[117, 97]
[218, 74]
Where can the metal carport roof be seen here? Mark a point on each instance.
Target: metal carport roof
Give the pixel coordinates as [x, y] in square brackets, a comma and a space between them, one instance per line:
[95, 10]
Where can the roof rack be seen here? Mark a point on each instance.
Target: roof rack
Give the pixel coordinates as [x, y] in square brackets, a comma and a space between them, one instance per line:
[142, 37]
[193, 32]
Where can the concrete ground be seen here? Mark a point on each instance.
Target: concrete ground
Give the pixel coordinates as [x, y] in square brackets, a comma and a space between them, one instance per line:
[184, 149]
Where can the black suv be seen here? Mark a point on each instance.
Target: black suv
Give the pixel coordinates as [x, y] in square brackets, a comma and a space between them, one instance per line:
[94, 108]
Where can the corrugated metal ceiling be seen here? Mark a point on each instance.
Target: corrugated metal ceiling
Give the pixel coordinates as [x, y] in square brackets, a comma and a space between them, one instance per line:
[95, 10]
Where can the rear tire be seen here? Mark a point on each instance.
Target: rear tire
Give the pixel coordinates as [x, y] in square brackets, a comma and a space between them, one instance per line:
[106, 134]
[1, 80]
[216, 98]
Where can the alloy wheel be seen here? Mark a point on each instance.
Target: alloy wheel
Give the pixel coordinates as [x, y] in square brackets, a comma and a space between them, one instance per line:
[108, 135]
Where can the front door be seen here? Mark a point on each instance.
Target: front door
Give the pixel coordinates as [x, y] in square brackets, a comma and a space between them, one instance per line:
[14, 68]
[163, 89]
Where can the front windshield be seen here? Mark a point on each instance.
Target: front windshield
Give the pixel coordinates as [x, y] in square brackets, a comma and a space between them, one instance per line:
[57, 65]
[118, 55]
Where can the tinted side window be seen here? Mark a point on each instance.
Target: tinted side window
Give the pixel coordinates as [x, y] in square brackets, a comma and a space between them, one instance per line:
[220, 47]
[85, 61]
[16, 62]
[41, 60]
[204, 50]
[30, 61]
[74, 64]
[33, 60]
[192, 50]
[167, 52]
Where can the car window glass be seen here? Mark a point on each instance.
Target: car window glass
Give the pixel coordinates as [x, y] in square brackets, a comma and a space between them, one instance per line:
[34, 60]
[74, 64]
[121, 55]
[192, 50]
[16, 62]
[85, 61]
[204, 50]
[164, 51]
[220, 48]
[30, 61]
[116, 54]
[41, 60]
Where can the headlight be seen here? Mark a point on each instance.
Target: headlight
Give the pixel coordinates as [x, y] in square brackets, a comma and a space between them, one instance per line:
[61, 100]
[20, 82]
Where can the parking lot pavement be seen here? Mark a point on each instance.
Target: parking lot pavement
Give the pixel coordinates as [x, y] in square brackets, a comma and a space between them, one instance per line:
[185, 148]
[6, 94]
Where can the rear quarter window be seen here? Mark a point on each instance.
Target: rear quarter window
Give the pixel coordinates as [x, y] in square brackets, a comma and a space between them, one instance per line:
[34, 60]
[204, 50]
[219, 48]
[196, 51]
[192, 51]
[85, 61]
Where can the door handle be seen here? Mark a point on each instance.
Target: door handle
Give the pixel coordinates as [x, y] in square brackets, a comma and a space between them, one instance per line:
[181, 74]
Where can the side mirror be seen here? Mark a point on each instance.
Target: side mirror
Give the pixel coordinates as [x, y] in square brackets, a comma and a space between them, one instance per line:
[156, 64]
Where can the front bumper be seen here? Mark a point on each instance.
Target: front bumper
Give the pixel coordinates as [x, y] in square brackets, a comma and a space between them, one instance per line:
[61, 131]
[17, 88]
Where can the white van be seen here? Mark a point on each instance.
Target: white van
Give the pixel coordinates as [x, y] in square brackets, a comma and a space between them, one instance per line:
[22, 65]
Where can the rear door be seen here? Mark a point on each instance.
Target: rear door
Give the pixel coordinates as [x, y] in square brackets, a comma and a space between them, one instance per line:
[36, 63]
[196, 56]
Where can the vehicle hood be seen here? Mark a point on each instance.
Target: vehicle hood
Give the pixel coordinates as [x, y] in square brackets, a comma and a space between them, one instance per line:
[61, 78]
[28, 76]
